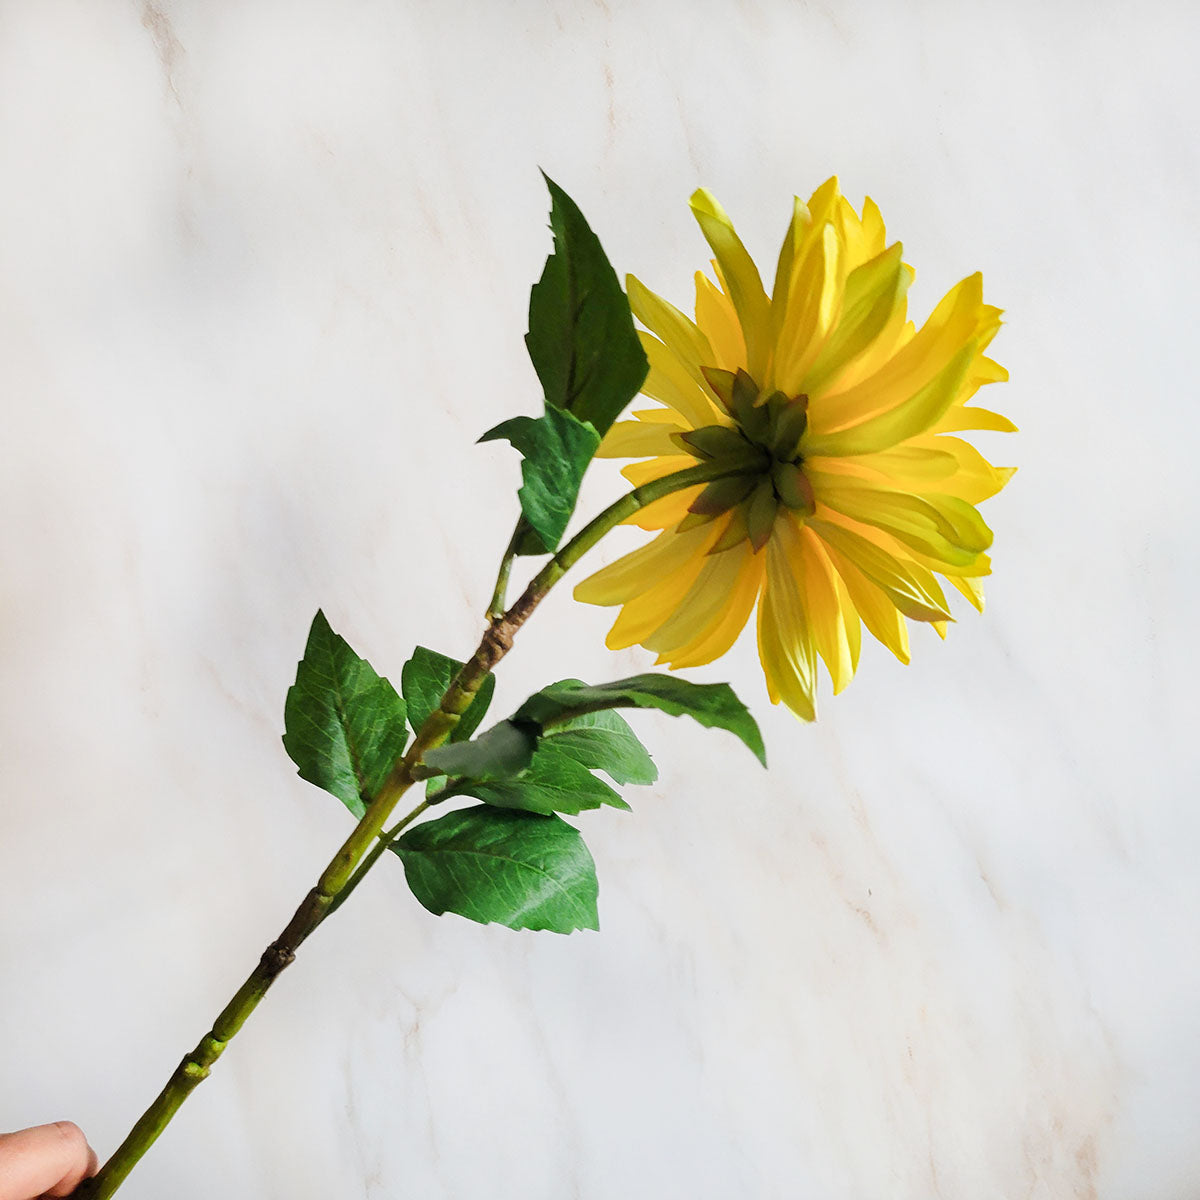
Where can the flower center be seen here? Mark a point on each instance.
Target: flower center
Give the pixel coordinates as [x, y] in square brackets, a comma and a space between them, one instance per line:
[763, 452]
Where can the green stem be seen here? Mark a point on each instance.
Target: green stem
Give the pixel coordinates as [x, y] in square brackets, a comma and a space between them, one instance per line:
[382, 843]
[620, 511]
[495, 611]
[357, 855]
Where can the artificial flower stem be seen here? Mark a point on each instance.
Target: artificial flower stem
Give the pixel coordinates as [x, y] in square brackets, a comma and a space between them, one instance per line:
[495, 610]
[195, 1068]
[355, 857]
[622, 510]
[382, 843]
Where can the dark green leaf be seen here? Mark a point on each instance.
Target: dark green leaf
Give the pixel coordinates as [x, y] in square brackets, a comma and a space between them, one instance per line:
[515, 868]
[581, 336]
[424, 681]
[553, 782]
[603, 741]
[556, 450]
[344, 724]
[712, 704]
[504, 751]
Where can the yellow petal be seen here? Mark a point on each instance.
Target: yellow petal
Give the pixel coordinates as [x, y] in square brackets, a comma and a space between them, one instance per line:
[872, 296]
[785, 644]
[680, 335]
[642, 615]
[980, 567]
[705, 607]
[910, 463]
[657, 416]
[788, 257]
[823, 203]
[742, 277]
[671, 382]
[942, 526]
[989, 324]
[718, 321]
[960, 418]
[983, 371]
[667, 510]
[913, 415]
[896, 333]
[717, 637]
[812, 308]
[973, 479]
[971, 588]
[827, 620]
[850, 234]
[651, 469]
[910, 588]
[848, 610]
[874, 232]
[922, 464]
[878, 613]
[636, 439]
[638, 571]
[922, 358]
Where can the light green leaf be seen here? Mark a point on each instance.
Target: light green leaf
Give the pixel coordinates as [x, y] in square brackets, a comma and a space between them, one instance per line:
[344, 723]
[553, 782]
[603, 741]
[581, 336]
[424, 680]
[556, 450]
[499, 769]
[711, 704]
[514, 868]
[504, 751]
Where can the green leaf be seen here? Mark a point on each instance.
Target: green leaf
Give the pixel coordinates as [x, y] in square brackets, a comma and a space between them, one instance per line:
[553, 782]
[424, 680]
[504, 751]
[344, 723]
[581, 336]
[515, 868]
[712, 704]
[603, 741]
[556, 450]
[499, 769]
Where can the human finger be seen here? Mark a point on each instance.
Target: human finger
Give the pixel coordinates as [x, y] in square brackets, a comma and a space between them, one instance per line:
[47, 1160]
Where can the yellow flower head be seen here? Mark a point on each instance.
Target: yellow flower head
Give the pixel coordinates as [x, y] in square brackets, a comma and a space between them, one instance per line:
[847, 493]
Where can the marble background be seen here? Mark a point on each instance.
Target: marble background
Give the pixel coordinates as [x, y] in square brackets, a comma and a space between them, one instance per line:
[263, 276]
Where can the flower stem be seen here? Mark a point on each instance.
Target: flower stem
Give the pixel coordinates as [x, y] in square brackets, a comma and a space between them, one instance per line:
[496, 608]
[617, 512]
[382, 843]
[357, 855]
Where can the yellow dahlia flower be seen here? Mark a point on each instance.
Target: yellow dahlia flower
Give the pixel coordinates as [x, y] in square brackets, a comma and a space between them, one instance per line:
[847, 492]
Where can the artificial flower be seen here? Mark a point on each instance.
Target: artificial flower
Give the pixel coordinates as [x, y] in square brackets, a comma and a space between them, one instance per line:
[848, 491]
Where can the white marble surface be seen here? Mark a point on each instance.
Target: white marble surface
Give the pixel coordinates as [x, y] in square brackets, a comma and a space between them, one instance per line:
[263, 273]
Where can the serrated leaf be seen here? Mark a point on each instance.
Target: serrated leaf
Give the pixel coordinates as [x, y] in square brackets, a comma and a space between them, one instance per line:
[424, 680]
[553, 782]
[344, 723]
[711, 704]
[556, 449]
[504, 751]
[581, 335]
[513, 868]
[603, 741]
